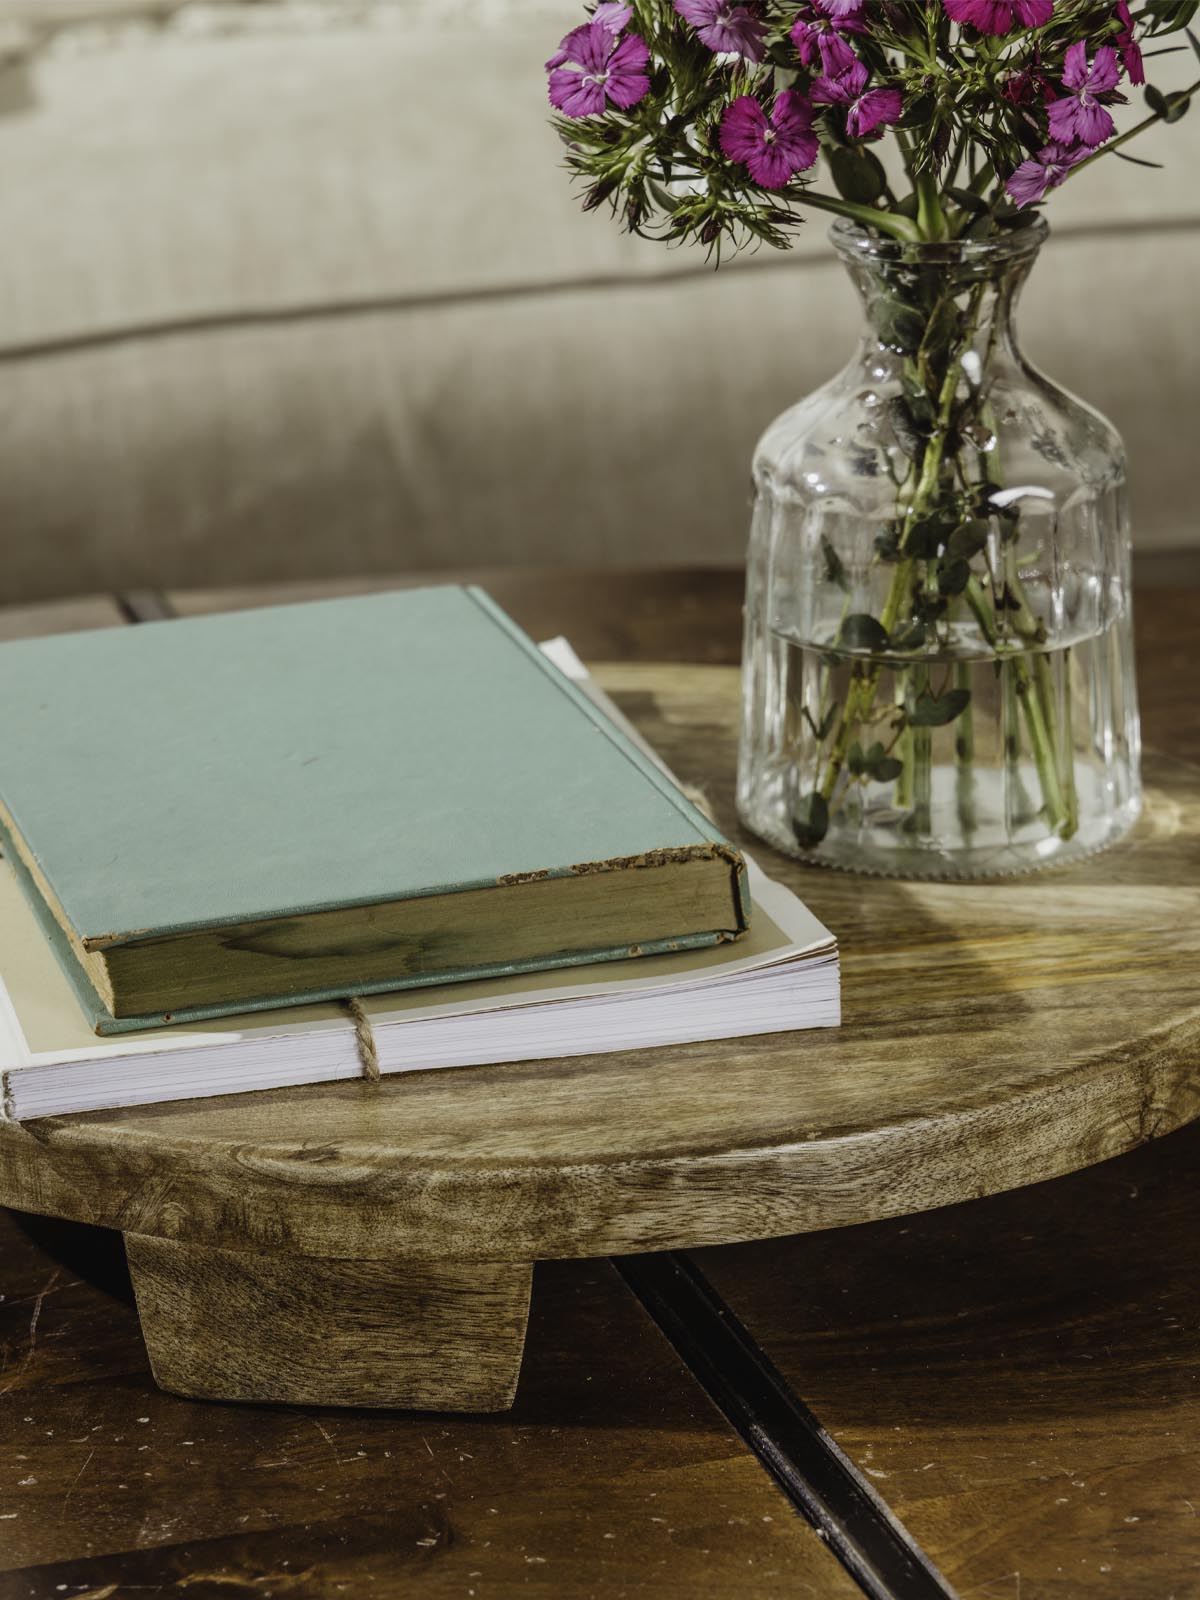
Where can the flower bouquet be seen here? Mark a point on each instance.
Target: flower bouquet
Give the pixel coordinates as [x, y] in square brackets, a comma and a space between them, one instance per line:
[938, 651]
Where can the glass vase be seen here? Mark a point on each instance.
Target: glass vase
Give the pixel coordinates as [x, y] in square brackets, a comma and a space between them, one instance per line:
[938, 671]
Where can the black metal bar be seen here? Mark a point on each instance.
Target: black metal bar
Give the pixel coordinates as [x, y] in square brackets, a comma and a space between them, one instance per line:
[812, 1471]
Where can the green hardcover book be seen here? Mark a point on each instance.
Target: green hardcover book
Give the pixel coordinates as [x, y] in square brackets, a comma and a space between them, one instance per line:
[311, 802]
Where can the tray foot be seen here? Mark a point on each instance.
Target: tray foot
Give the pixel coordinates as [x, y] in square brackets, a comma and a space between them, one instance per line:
[223, 1325]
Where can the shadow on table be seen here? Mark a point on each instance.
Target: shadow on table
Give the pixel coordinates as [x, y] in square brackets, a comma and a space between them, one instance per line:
[1070, 1299]
[96, 1255]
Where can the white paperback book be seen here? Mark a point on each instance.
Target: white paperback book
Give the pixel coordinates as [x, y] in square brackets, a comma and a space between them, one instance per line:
[782, 975]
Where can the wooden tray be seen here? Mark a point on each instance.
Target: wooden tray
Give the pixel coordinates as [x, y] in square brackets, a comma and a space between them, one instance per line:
[348, 1245]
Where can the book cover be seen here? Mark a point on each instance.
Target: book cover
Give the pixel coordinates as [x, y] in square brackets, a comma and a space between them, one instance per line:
[336, 798]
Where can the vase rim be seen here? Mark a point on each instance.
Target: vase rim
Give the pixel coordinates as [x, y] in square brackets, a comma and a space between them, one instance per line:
[853, 241]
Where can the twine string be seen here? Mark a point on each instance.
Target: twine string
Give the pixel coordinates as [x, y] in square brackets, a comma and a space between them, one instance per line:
[364, 1037]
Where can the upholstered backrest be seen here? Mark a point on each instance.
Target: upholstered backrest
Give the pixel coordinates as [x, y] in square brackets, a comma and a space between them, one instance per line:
[301, 290]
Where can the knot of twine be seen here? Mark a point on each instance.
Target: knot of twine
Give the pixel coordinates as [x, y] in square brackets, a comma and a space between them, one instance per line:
[364, 1037]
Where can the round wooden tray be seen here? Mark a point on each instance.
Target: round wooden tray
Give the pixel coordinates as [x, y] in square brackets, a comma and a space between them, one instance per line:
[994, 1036]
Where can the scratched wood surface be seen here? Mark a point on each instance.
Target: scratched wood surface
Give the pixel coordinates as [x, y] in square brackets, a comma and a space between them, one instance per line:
[994, 1036]
[612, 1476]
[1019, 1377]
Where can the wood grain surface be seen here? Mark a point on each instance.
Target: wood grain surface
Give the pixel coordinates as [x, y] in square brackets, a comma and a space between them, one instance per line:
[407, 1335]
[60, 616]
[693, 616]
[1019, 1377]
[612, 1476]
[994, 1036]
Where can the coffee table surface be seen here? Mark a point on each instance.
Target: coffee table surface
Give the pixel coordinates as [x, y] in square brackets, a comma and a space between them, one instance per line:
[993, 1036]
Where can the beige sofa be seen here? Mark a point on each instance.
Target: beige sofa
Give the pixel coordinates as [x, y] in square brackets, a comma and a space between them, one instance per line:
[302, 291]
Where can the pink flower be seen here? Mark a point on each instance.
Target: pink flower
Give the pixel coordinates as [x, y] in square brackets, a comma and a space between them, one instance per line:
[865, 108]
[843, 11]
[1080, 117]
[611, 13]
[1000, 16]
[815, 32]
[595, 68]
[724, 26]
[1131, 51]
[773, 150]
[1034, 178]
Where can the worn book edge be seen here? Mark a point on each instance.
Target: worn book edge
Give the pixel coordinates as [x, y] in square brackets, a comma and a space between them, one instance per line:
[105, 1024]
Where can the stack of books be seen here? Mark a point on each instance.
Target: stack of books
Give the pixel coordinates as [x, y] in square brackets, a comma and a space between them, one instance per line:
[219, 831]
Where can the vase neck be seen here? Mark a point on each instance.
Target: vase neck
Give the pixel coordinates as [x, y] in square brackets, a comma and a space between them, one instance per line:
[923, 302]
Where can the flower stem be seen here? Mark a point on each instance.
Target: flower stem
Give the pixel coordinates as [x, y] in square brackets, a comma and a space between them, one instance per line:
[1034, 693]
[964, 754]
[931, 219]
[902, 228]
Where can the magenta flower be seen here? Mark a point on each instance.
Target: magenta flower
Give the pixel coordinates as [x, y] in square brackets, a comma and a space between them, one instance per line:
[725, 27]
[843, 11]
[1131, 51]
[1034, 178]
[611, 13]
[814, 33]
[866, 108]
[595, 68]
[1000, 16]
[1079, 117]
[774, 150]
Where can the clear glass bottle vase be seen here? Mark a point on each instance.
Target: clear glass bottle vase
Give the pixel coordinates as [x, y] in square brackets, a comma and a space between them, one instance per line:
[938, 659]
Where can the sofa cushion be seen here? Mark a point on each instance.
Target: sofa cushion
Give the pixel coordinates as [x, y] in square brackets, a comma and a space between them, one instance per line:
[303, 302]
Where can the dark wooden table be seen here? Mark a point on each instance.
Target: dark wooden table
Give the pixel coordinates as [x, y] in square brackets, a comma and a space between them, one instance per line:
[1015, 1380]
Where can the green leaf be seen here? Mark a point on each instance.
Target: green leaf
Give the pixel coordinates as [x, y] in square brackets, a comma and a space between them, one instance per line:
[931, 713]
[821, 730]
[969, 201]
[1168, 16]
[810, 822]
[1156, 100]
[663, 197]
[835, 571]
[876, 763]
[912, 638]
[898, 325]
[968, 540]
[926, 537]
[862, 632]
[920, 403]
[887, 543]
[908, 434]
[952, 577]
[939, 329]
[858, 174]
